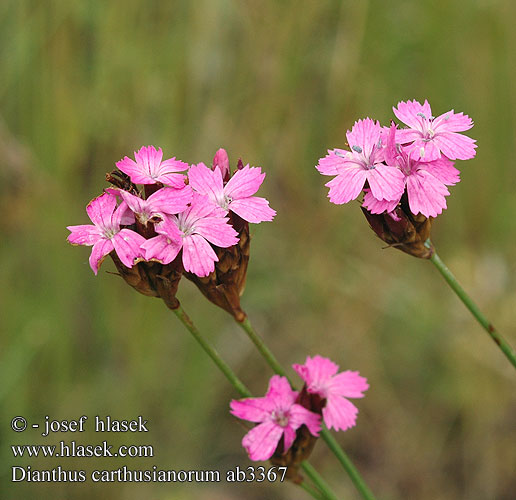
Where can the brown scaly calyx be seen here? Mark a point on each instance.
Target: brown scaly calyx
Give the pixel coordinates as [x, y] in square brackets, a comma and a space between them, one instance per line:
[153, 279]
[403, 230]
[224, 286]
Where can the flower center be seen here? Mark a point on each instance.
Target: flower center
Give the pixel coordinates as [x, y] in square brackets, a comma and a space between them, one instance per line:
[426, 127]
[109, 232]
[226, 202]
[280, 418]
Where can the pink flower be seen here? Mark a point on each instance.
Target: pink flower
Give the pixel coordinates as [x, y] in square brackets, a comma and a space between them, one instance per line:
[425, 181]
[364, 163]
[105, 233]
[237, 194]
[320, 376]
[432, 136]
[191, 231]
[149, 169]
[278, 415]
[164, 201]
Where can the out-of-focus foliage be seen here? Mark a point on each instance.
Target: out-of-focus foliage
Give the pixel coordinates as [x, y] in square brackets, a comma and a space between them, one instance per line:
[84, 83]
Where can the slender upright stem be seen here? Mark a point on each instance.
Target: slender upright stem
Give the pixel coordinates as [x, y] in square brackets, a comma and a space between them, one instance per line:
[473, 308]
[212, 353]
[312, 491]
[264, 350]
[352, 471]
[326, 492]
[318, 481]
[334, 446]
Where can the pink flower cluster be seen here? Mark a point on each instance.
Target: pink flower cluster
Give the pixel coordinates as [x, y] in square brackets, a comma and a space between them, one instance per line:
[188, 210]
[282, 411]
[387, 162]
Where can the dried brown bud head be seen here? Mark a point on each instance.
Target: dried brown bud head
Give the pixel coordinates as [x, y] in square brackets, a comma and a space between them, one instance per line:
[403, 230]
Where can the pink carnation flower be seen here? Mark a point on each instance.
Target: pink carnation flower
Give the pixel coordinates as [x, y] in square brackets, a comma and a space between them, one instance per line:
[364, 163]
[105, 233]
[149, 169]
[166, 200]
[192, 230]
[278, 415]
[432, 136]
[237, 194]
[425, 181]
[320, 376]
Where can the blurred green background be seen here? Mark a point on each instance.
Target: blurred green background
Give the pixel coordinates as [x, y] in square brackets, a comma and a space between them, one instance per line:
[278, 83]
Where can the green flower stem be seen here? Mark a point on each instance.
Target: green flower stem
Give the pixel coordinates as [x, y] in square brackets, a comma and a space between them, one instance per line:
[212, 353]
[311, 491]
[264, 350]
[326, 492]
[318, 481]
[473, 308]
[352, 471]
[325, 434]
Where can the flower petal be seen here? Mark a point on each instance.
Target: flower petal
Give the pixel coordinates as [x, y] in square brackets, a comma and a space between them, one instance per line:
[347, 185]
[149, 159]
[452, 122]
[161, 248]
[100, 210]
[168, 200]
[127, 246]
[289, 436]
[280, 392]
[98, 253]
[252, 409]
[217, 231]
[261, 441]
[378, 206]
[316, 371]
[335, 161]
[456, 146]
[206, 181]
[134, 171]
[386, 183]
[348, 384]
[253, 209]
[198, 256]
[339, 413]
[407, 112]
[426, 194]
[365, 134]
[298, 416]
[443, 170]
[84, 235]
[244, 183]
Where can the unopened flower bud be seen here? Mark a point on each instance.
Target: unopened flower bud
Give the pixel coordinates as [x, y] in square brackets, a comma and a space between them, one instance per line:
[221, 161]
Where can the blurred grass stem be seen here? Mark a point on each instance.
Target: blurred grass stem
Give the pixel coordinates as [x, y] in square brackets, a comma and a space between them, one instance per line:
[325, 434]
[473, 308]
[326, 492]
